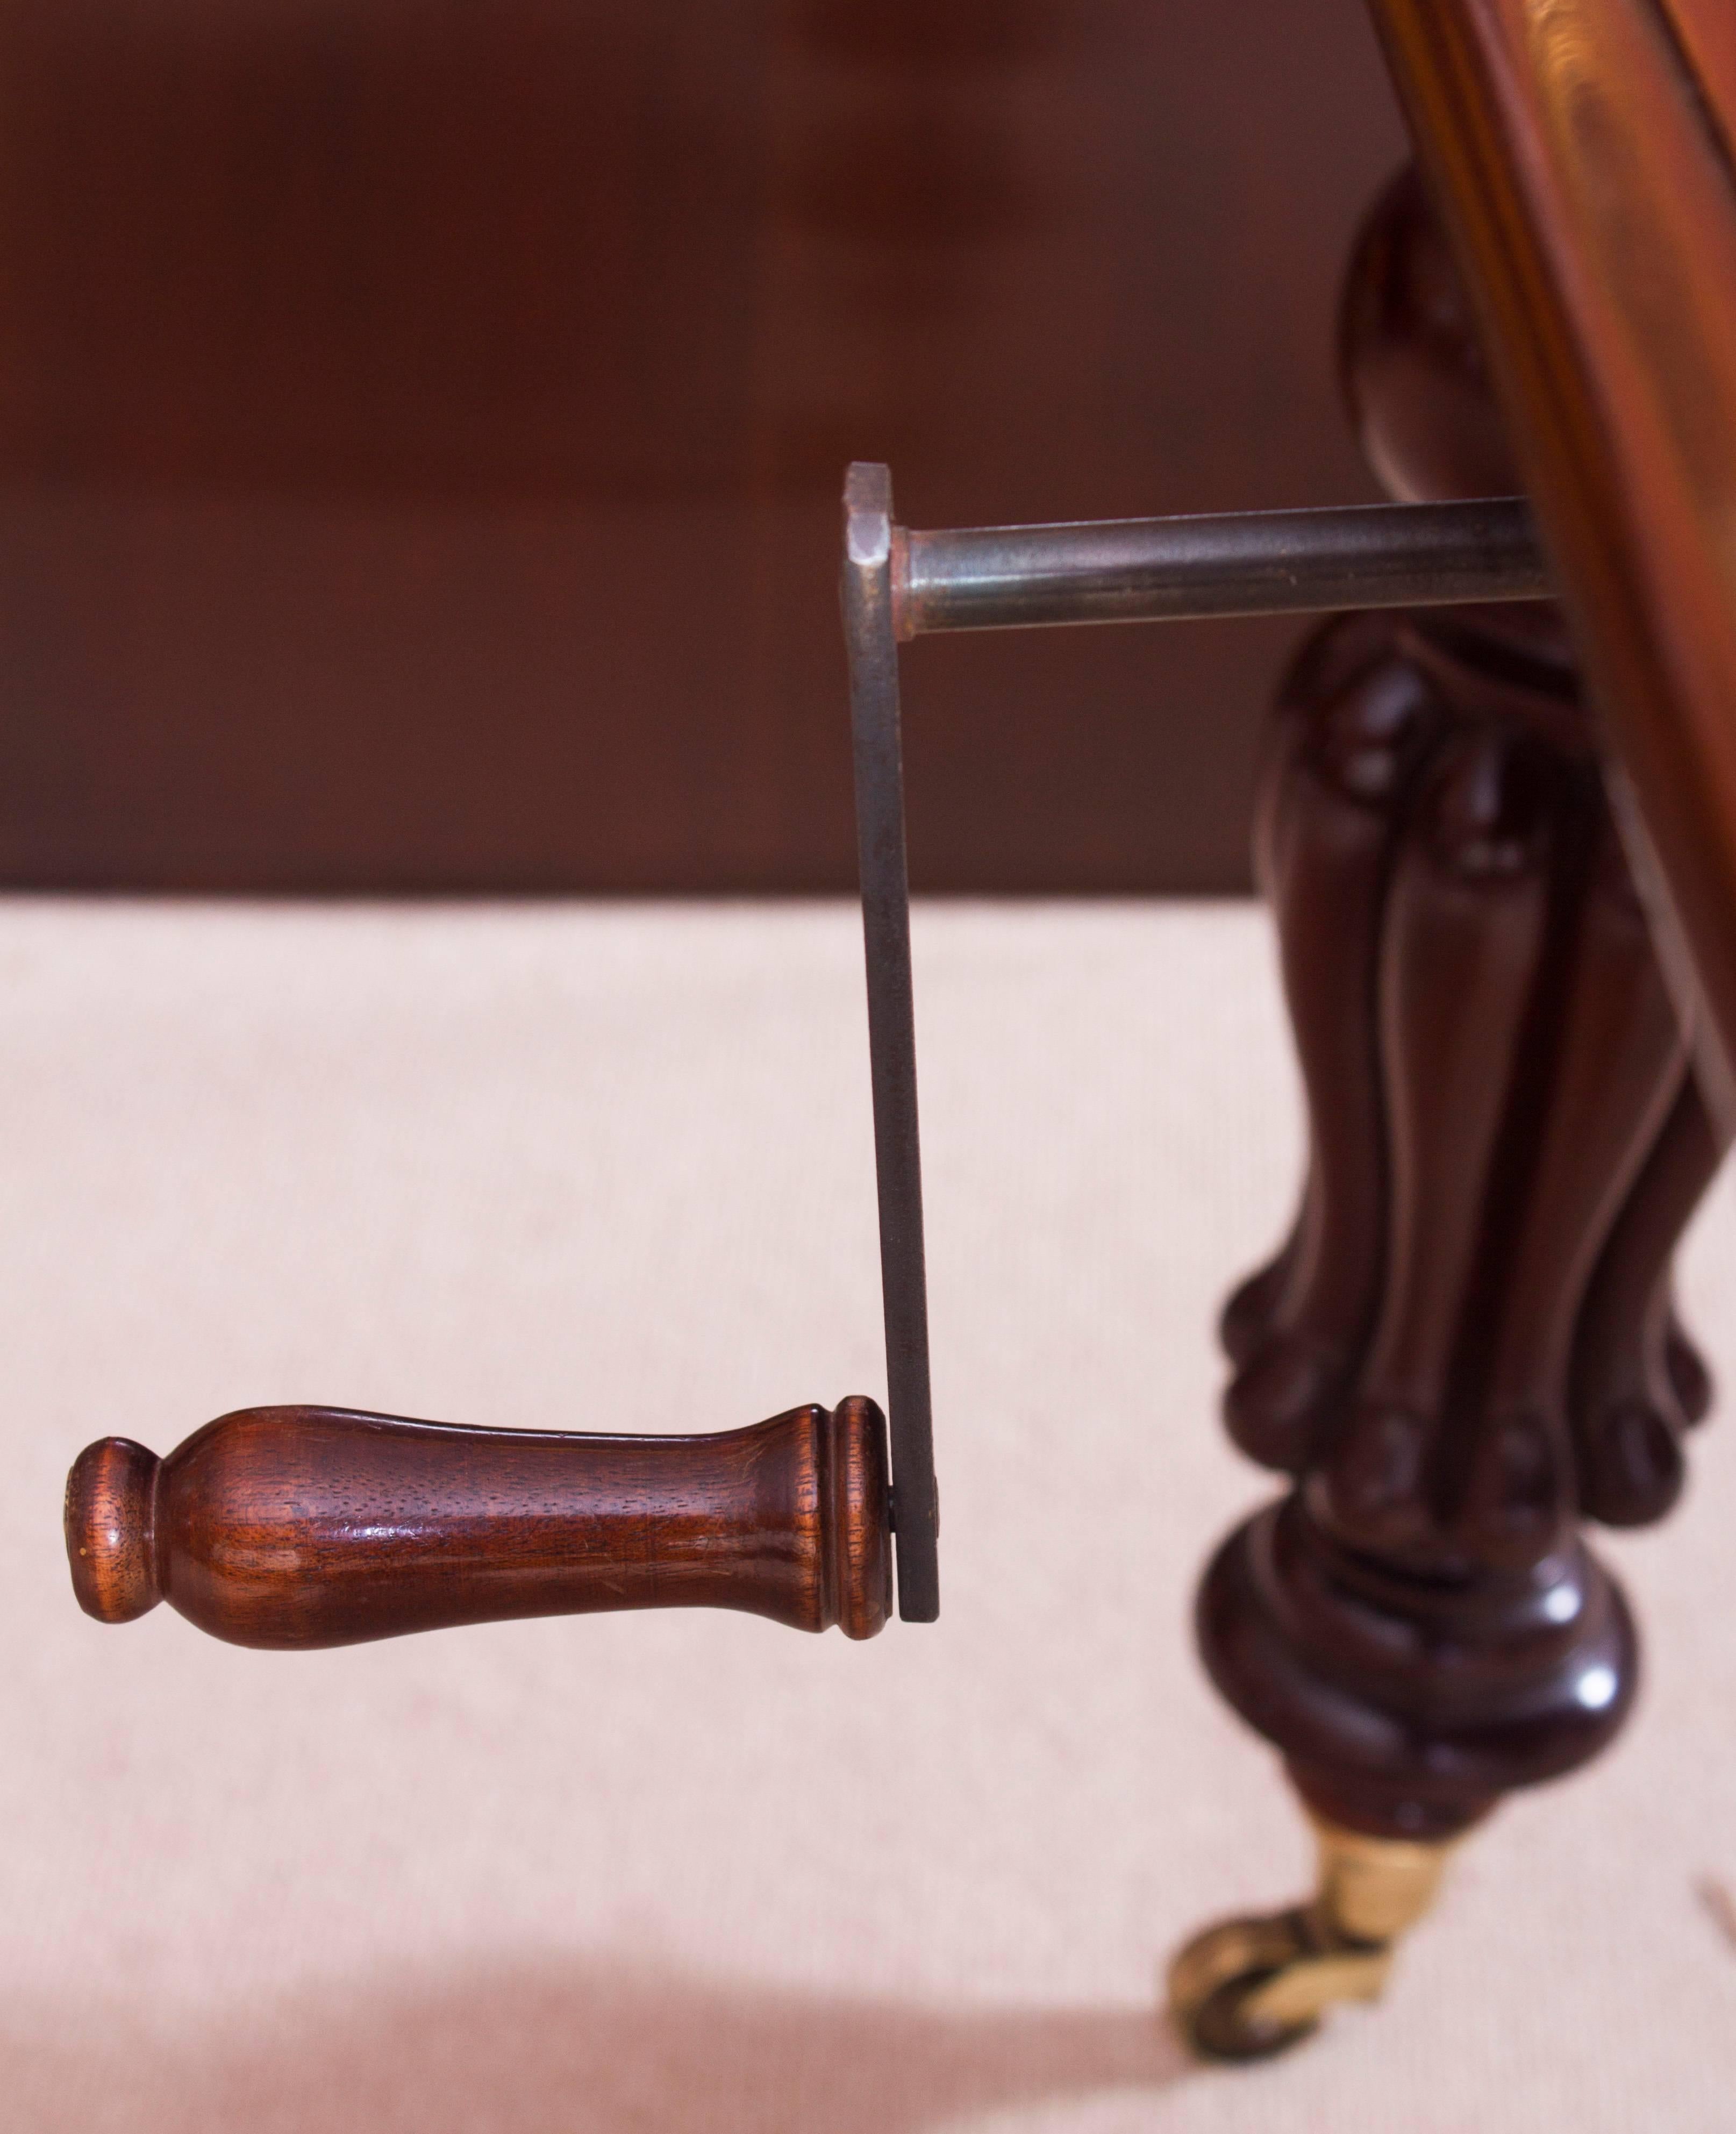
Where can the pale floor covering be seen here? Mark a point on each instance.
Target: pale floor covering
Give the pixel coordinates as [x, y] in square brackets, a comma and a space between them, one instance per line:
[609, 1168]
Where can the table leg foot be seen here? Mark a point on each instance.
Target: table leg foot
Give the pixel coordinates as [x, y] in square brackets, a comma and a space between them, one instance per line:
[1248, 1988]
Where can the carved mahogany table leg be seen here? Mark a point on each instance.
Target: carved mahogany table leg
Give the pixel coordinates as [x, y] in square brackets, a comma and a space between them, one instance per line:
[1468, 1343]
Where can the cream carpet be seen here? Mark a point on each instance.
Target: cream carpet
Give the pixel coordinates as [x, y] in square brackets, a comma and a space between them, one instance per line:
[610, 1168]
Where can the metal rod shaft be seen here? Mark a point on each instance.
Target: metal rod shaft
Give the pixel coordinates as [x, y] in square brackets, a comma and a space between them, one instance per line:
[900, 584]
[880, 816]
[1262, 563]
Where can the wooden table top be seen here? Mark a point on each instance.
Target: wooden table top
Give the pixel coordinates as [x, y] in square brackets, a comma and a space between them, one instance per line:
[1584, 154]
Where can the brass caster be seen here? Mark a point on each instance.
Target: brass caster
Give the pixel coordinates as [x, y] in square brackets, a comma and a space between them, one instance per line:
[1249, 1988]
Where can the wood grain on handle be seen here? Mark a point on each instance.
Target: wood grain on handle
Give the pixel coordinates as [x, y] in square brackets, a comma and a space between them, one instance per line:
[295, 1527]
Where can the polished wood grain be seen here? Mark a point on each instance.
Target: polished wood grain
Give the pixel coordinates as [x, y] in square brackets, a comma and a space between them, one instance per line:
[1353, 722]
[295, 1527]
[1507, 1138]
[1637, 1384]
[1580, 151]
[1705, 30]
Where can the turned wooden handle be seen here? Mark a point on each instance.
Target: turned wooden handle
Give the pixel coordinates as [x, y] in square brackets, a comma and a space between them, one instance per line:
[294, 1527]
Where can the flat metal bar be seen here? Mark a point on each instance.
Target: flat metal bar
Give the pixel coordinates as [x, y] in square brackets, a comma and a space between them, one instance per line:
[1259, 562]
[900, 584]
[880, 821]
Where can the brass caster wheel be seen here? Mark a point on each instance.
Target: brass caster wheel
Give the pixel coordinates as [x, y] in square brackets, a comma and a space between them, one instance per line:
[1250, 1988]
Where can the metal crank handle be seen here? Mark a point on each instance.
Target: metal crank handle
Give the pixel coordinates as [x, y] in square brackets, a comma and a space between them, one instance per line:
[297, 1526]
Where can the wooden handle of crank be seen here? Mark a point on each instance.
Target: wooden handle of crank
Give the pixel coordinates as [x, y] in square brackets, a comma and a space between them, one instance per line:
[292, 1527]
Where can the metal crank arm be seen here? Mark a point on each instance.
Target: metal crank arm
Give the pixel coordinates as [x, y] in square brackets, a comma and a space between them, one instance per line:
[304, 1526]
[900, 584]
